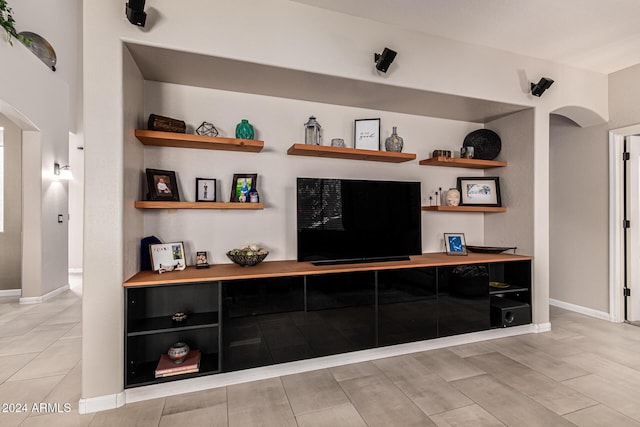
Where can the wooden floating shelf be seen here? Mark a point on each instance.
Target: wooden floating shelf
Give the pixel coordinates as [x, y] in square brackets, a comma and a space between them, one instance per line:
[144, 204]
[349, 153]
[184, 140]
[464, 208]
[453, 162]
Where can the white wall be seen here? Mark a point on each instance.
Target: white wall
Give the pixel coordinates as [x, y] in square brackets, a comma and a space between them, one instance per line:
[285, 34]
[279, 122]
[624, 92]
[516, 226]
[11, 236]
[76, 201]
[59, 23]
[579, 214]
[37, 99]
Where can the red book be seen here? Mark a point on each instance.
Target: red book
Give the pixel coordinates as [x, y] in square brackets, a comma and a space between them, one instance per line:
[166, 367]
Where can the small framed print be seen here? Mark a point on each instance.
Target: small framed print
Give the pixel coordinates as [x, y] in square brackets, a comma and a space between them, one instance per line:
[167, 257]
[455, 244]
[162, 185]
[201, 260]
[205, 190]
[367, 134]
[241, 185]
[479, 191]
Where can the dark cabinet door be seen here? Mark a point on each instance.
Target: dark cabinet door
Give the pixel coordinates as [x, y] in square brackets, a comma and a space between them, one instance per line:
[463, 299]
[341, 312]
[263, 322]
[407, 305]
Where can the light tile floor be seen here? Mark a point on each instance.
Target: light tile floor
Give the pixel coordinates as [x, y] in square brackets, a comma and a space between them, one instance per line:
[584, 372]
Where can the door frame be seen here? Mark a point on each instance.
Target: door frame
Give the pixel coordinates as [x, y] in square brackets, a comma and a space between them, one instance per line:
[616, 217]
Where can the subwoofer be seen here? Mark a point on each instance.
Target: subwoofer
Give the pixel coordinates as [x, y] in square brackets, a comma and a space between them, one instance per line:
[506, 312]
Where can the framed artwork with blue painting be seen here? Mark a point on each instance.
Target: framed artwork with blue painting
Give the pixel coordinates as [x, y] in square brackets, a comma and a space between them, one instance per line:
[455, 244]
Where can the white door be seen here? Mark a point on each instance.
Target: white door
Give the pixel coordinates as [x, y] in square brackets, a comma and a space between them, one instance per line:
[633, 235]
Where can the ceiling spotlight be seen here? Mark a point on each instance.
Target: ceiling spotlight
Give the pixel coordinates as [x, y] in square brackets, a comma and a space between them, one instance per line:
[538, 89]
[135, 12]
[384, 59]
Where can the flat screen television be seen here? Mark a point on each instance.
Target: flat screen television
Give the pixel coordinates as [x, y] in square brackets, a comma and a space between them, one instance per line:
[350, 221]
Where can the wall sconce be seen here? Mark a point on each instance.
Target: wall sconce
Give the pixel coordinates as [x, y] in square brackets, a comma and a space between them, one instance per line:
[384, 59]
[62, 172]
[538, 89]
[134, 10]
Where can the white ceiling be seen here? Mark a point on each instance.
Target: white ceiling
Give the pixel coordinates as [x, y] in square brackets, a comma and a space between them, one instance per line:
[599, 35]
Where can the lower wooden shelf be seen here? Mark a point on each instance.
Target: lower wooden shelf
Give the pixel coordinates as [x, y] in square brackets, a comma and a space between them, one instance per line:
[145, 204]
[464, 208]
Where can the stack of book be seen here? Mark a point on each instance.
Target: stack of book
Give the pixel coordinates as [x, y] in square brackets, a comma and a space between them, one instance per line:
[167, 368]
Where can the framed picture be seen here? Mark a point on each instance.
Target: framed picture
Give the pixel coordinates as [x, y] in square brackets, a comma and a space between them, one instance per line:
[241, 185]
[201, 260]
[205, 190]
[479, 191]
[455, 244]
[167, 256]
[162, 185]
[367, 134]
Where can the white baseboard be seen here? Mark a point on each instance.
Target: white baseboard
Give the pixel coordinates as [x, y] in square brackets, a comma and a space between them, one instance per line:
[75, 270]
[11, 293]
[45, 297]
[542, 327]
[225, 379]
[582, 310]
[101, 403]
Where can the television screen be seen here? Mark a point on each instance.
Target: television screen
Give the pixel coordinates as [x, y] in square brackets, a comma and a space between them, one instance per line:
[345, 220]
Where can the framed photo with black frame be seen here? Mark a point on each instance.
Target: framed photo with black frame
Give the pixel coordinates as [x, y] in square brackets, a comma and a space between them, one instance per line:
[167, 256]
[241, 185]
[205, 190]
[366, 135]
[479, 191]
[455, 244]
[162, 185]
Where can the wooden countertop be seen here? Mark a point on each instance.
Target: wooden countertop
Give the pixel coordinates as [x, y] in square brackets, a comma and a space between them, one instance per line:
[295, 268]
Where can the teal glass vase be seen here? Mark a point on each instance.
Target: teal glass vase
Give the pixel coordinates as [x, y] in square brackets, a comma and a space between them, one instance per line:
[244, 130]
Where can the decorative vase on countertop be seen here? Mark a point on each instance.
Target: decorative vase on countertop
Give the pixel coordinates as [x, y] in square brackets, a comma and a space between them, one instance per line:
[394, 142]
[244, 130]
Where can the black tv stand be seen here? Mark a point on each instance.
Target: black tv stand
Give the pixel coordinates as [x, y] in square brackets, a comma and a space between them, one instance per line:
[360, 260]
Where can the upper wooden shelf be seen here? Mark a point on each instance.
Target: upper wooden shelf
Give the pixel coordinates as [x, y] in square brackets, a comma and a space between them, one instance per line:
[453, 162]
[144, 204]
[349, 153]
[185, 140]
[464, 208]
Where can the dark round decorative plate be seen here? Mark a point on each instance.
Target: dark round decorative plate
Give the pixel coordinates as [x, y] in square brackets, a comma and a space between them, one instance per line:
[486, 144]
[489, 249]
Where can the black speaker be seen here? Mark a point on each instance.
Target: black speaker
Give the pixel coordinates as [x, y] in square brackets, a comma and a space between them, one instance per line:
[506, 312]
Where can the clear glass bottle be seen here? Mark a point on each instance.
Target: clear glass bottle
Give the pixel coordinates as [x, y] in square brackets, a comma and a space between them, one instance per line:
[312, 132]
